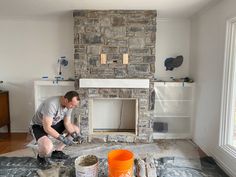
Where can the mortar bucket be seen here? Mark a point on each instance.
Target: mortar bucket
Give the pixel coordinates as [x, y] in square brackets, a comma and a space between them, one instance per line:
[86, 166]
[120, 163]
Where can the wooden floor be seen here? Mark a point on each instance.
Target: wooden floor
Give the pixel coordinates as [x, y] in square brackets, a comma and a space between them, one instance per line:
[13, 141]
[16, 141]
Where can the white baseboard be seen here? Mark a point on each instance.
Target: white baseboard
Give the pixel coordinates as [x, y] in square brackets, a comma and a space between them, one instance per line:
[219, 162]
[5, 130]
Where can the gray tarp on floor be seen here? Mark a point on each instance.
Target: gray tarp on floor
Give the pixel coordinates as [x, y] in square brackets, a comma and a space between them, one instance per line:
[171, 159]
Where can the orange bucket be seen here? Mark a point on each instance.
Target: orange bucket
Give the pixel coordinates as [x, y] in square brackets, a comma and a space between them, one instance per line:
[120, 163]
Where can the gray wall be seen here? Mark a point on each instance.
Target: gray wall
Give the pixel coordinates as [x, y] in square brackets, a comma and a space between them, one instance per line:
[31, 46]
[207, 61]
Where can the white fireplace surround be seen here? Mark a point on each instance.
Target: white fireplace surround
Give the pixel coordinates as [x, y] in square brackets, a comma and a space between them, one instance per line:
[114, 83]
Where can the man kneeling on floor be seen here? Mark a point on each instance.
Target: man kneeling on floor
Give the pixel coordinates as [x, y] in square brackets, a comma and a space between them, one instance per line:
[53, 117]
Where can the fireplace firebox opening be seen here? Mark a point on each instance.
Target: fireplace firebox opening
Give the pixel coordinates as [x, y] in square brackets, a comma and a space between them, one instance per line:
[113, 115]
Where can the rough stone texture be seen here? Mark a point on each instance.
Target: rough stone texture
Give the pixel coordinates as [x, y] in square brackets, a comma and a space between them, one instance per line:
[115, 32]
[152, 97]
[150, 166]
[121, 138]
[140, 166]
[98, 138]
[145, 120]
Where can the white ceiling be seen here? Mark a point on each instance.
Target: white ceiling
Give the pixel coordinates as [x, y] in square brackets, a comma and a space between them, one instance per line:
[165, 8]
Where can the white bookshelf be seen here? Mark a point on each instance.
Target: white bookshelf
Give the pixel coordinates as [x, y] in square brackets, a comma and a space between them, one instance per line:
[44, 89]
[173, 107]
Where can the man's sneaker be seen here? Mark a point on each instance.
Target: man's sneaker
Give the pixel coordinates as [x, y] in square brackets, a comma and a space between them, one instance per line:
[59, 155]
[43, 162]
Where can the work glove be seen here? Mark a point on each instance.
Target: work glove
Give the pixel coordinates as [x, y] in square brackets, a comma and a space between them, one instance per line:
[77, 138]
[65, 140]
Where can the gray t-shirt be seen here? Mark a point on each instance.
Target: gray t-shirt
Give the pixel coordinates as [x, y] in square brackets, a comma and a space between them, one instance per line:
[51, 107]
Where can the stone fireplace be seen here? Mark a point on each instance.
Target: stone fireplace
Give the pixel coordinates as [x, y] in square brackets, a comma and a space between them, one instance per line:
[115, 33]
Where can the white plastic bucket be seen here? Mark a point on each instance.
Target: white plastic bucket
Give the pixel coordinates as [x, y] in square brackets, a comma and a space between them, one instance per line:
[86, 166]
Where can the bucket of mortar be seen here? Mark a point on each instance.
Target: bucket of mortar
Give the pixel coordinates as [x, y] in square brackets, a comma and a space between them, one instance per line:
[86, 166]
[120, 163]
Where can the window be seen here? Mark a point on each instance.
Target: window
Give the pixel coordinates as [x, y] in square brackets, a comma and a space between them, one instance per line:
[228, 108]
[232, 127]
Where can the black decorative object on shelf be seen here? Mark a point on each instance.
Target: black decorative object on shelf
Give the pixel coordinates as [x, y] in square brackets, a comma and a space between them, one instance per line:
[171, 63]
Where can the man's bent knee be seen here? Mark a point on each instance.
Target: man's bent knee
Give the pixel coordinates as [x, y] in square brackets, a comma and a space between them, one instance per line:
[45, 145]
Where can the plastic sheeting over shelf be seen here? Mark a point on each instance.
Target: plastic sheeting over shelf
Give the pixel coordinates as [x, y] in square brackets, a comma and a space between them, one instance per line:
[171, 107]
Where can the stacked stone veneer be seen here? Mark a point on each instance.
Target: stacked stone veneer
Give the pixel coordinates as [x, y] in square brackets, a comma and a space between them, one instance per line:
[114, 33]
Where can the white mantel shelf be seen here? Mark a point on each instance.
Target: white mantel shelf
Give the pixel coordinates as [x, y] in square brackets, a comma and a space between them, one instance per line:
[114, 83]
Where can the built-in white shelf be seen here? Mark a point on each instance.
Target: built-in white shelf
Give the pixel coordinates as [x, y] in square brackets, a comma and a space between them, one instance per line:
[173, 110]
[171, 135]
[173, 116]
[54, 82]
[44, 89]
[114, 83]
[174, 84]
[173, 100]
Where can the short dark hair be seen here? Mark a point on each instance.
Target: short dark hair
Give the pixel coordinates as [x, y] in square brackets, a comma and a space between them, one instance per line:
[71, 94]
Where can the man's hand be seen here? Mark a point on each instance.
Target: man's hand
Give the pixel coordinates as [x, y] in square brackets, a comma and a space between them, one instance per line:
[77, 138]
[65, 140]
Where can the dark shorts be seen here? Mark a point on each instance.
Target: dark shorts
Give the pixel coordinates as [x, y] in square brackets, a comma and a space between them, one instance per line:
[39, 132]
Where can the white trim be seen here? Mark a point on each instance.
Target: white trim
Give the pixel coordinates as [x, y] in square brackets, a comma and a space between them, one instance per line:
[172, 116]
[175, 100]
[229, 149]
[54, 82]
[171, 135]
[114, 83]
[227, 90]
[219, 162]
[174, 84]
[223, 165]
